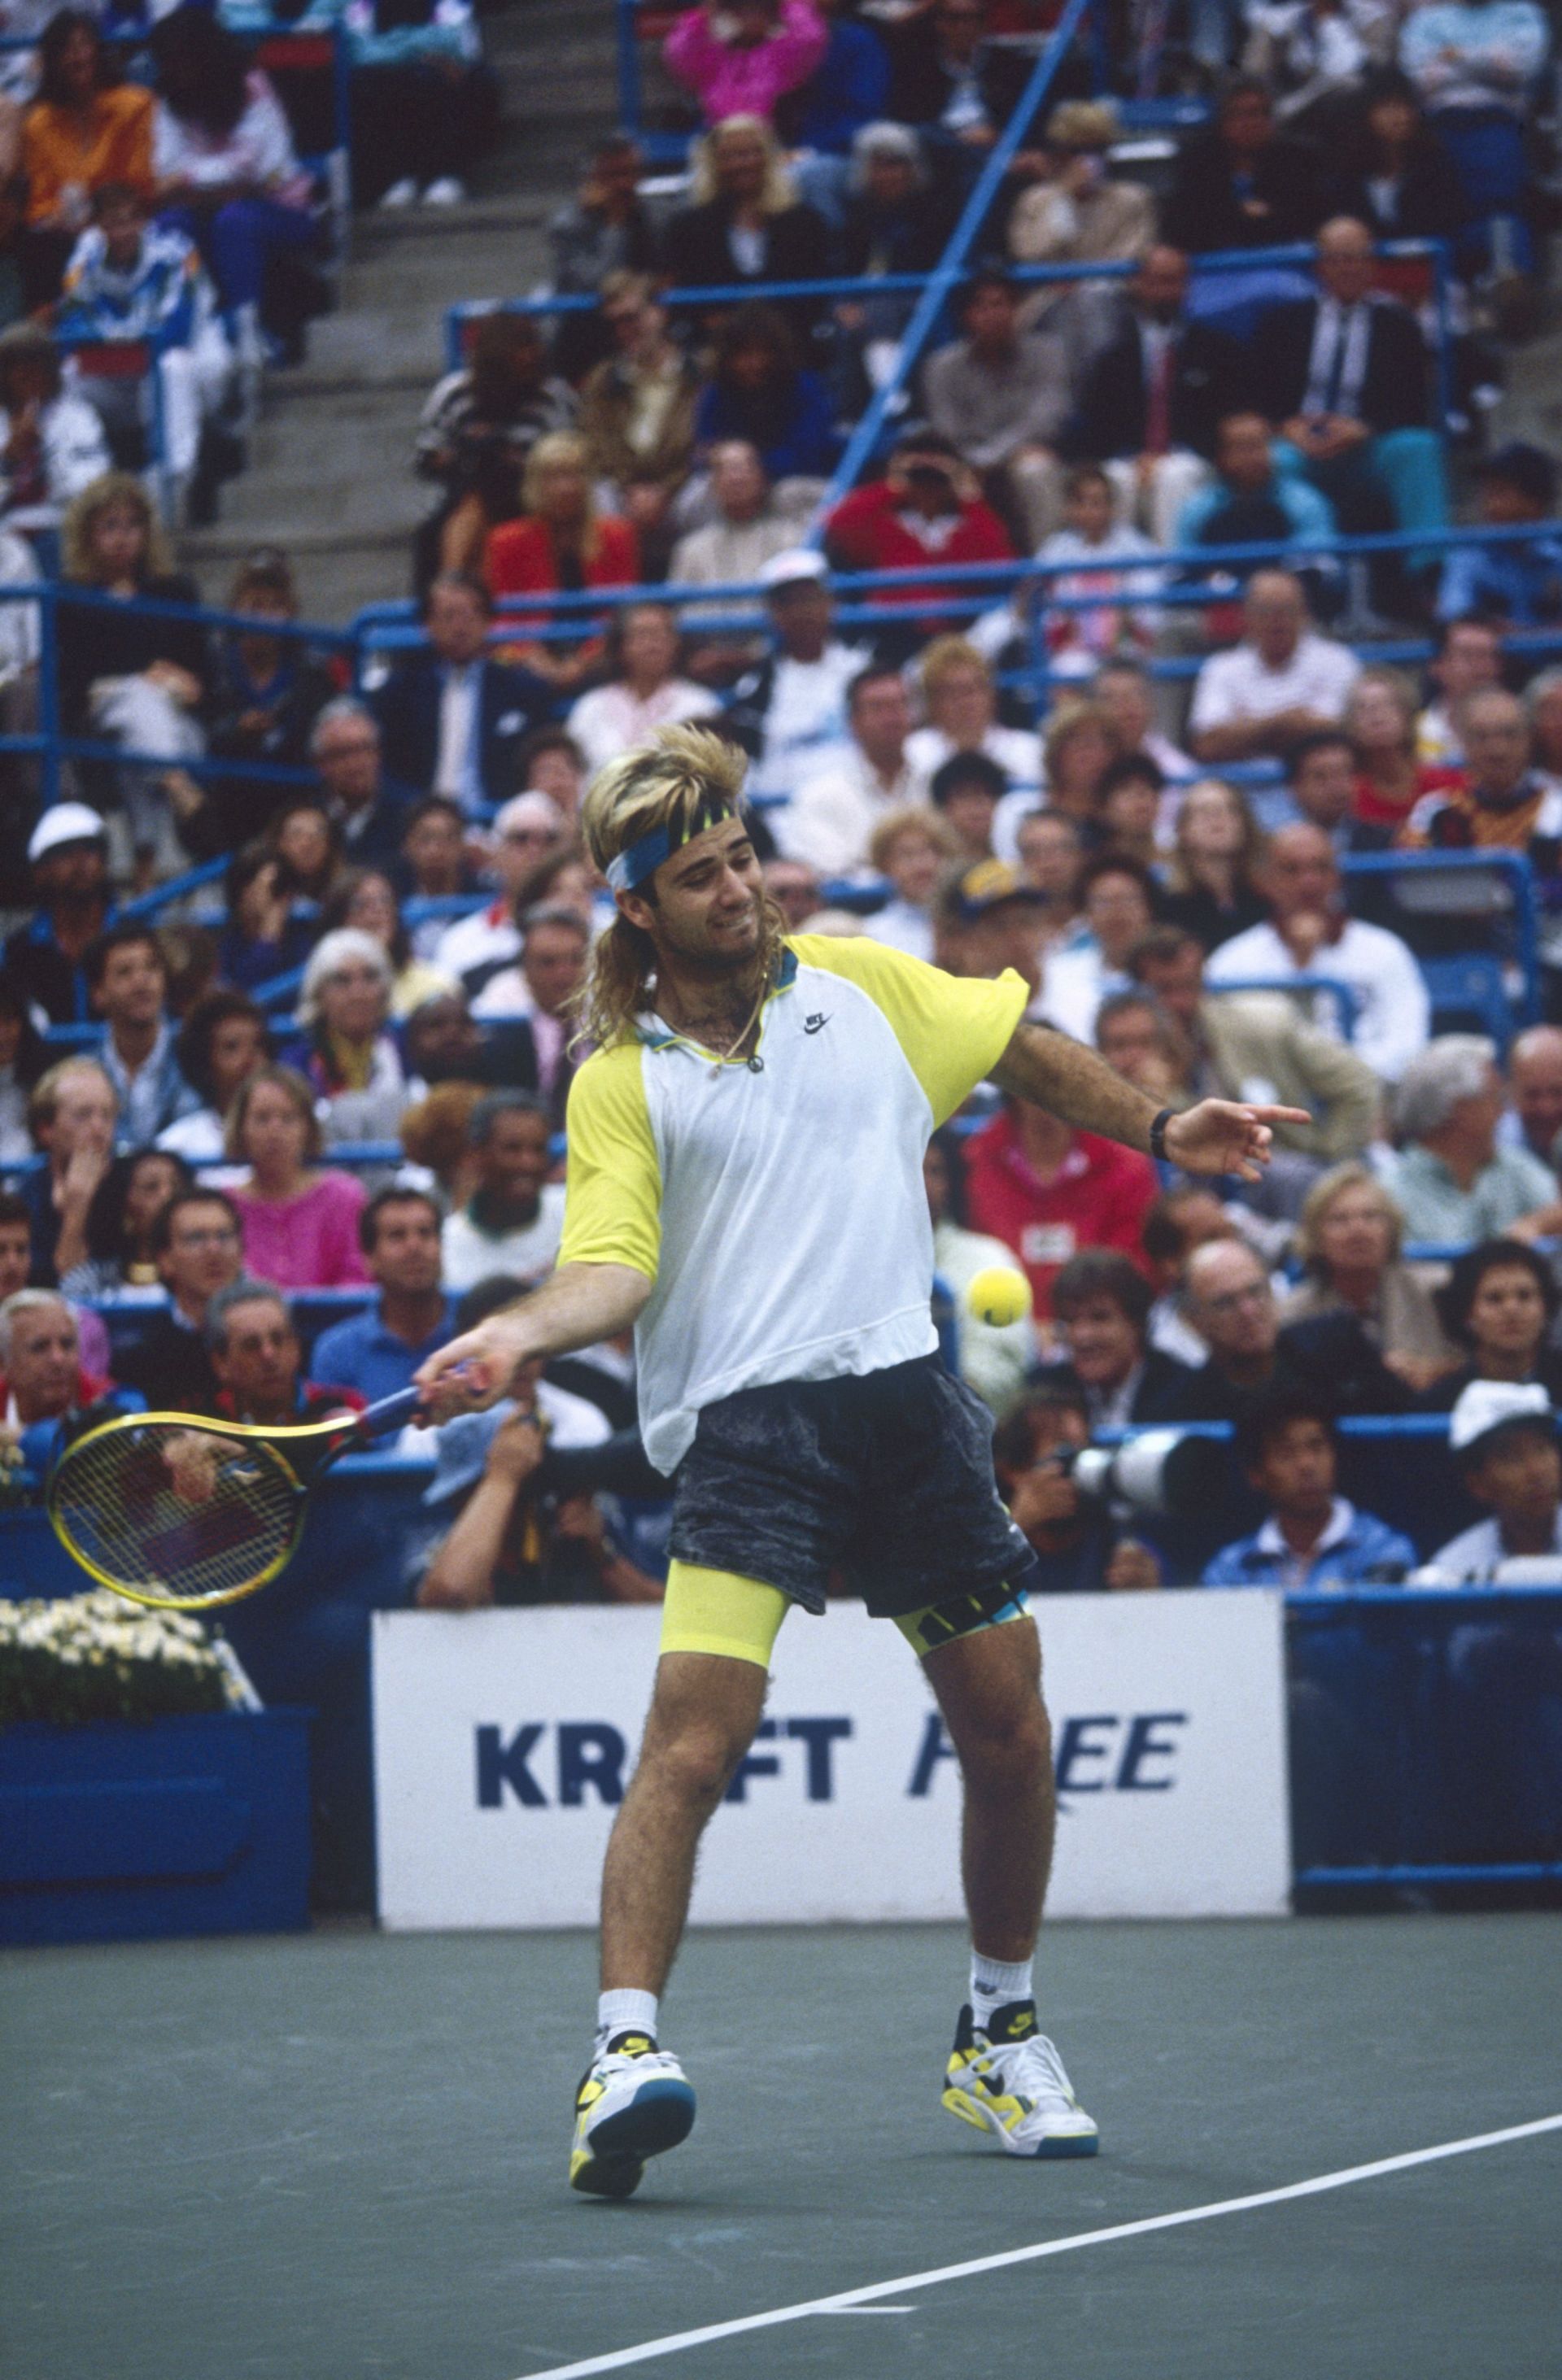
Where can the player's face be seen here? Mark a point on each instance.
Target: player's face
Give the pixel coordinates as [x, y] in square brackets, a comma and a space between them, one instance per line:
[708, 902]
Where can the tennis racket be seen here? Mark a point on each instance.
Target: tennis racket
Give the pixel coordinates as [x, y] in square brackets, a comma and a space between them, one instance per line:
[184, 1512]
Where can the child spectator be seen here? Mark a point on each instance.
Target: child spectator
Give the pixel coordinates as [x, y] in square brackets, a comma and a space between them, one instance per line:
[130, 279]
[1312, 1540]
[300, 1225]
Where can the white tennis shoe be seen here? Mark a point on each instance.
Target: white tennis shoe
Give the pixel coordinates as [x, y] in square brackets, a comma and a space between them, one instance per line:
[1009, 2081]
[634, 2101]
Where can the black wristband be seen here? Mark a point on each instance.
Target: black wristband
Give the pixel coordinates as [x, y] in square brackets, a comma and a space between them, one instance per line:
[1158, 1134]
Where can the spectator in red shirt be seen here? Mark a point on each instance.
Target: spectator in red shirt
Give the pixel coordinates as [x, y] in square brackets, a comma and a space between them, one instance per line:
[259, 1364]
[926, 507]
[558, 547]
[1380, 719]
[1047, 1191]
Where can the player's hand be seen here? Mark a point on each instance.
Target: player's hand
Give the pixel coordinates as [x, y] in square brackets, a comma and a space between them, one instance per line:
[475, 1371]
[1218, 1136]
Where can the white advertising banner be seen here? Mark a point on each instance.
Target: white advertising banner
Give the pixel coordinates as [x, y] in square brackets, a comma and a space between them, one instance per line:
[502, 1740]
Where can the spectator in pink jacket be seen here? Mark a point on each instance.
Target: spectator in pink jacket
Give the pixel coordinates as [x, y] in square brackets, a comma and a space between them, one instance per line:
[739, 60]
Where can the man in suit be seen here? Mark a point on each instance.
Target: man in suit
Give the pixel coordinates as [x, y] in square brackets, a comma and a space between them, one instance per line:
[371, 813]
[1153, 396]
[453, 720]
[198, 1246]
[1344, 378]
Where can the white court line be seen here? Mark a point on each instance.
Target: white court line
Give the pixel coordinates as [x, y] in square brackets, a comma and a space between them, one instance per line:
[845, 2301]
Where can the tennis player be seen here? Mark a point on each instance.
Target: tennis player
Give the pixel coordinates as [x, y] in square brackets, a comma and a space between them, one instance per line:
[745, 1188]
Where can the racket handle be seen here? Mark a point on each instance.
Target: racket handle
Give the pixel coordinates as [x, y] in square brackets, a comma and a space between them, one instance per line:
[389, 1413]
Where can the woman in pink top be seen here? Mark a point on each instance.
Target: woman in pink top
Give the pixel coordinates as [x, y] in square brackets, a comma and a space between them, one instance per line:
[300, 1226]
[739, 60]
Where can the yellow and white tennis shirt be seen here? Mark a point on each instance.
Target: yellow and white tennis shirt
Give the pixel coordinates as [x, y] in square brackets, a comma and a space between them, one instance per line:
[777, 1203]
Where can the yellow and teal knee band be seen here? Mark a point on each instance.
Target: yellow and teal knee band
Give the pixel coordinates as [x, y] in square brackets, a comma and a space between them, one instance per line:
[960, 1615]
[716, 1611]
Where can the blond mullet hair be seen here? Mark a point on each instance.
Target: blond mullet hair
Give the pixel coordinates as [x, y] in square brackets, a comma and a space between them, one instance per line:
[668, 782]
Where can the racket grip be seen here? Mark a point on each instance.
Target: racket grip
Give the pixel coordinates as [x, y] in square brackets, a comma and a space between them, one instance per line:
[389, 1413]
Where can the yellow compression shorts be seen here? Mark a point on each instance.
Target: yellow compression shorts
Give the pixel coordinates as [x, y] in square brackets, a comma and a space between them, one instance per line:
[717, 1611]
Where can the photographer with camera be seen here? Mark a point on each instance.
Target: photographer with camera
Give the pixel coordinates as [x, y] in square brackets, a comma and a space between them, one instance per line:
[1075, 1539]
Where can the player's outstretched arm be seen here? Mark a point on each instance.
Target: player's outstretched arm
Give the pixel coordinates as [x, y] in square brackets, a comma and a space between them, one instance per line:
[581, 1303]
[1071, 1082]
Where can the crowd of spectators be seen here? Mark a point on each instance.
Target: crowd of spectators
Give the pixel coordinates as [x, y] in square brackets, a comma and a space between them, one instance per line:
[267, 1157]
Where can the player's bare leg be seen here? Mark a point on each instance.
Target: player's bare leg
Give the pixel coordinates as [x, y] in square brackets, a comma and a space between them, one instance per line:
[703, 1714]
[989, 1689]
[1004, 2076]
[635, 2100]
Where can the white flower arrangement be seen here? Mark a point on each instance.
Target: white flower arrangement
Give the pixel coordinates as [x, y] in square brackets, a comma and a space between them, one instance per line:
[92, 1657]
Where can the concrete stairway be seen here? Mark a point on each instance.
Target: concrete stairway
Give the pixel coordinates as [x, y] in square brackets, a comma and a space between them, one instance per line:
[330, 475]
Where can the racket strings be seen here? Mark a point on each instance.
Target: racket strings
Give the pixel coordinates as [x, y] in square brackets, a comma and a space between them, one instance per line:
[177, 1514]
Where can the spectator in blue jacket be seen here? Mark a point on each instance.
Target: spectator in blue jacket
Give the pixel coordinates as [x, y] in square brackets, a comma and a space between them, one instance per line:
[759, 391]
[1311, 1538]
[378, 1351]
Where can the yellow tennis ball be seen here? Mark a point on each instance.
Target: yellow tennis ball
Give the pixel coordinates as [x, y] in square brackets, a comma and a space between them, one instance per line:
[999, 1296]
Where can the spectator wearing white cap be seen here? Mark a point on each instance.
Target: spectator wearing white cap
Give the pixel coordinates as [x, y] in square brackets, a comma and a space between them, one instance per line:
[646, 691]
[69, 855]
[528, 830]
[1503, 1435]
[1505, 1674]
[791, 711]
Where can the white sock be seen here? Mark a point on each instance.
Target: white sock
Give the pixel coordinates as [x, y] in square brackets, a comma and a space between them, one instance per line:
[618, 2012]
[992, 1985]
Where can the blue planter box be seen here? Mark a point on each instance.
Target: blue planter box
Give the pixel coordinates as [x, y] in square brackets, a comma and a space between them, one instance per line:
[115, 1831]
